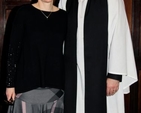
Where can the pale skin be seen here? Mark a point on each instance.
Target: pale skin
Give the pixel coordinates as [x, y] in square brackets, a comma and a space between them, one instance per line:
[112, 86]
[44, 5]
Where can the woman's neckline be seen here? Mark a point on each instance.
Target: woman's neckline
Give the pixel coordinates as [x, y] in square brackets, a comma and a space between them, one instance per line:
[44, 10]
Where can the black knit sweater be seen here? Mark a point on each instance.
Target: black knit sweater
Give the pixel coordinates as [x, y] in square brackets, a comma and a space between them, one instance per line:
[35, 57]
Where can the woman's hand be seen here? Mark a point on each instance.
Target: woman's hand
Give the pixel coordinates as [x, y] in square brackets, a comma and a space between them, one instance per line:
[10, 94]
[112, 86]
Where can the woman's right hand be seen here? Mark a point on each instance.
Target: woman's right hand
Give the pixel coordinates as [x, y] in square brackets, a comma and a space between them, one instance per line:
[10, 94]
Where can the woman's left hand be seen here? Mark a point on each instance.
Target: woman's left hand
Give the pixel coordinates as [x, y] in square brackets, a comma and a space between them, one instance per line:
[10, 94]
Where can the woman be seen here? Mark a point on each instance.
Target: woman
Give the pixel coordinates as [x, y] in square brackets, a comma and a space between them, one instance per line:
[35, 77]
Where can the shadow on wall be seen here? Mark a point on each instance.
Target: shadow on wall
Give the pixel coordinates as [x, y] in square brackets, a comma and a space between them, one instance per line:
[3, 73]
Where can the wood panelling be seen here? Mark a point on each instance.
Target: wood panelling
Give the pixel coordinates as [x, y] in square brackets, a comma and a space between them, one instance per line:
[139, 93]
[131, 99]
[1, 25]
[136, 37]
[128, 7]
[136, 28]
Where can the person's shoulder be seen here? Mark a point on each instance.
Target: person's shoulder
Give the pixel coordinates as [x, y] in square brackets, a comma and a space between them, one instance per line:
[23, 11]
[22, 8]
[57, 9]
[25, 7]
[63, 15]
[63, 12]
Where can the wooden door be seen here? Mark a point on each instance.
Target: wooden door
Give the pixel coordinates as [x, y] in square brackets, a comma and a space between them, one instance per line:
[136, 34]
[133, 9]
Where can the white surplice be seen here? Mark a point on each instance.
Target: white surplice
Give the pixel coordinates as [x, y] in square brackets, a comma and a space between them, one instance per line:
[120, 54]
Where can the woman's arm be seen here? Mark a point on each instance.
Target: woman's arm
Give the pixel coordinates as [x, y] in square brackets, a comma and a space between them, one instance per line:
[14, 53]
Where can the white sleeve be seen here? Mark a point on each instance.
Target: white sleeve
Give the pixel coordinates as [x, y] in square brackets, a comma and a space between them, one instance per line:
[62, 4]
[121, 55]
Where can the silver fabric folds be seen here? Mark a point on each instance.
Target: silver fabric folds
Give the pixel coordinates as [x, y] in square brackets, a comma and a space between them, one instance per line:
[41, 100]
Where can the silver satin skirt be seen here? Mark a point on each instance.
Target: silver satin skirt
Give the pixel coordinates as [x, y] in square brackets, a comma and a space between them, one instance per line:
[41, 100]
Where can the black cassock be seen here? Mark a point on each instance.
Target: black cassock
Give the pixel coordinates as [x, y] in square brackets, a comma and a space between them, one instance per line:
[95, 55]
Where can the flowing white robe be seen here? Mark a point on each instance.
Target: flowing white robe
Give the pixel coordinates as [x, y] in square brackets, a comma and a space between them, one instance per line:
[120, 54]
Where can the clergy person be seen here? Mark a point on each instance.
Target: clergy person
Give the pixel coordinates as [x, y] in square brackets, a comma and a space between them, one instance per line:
[100, 65]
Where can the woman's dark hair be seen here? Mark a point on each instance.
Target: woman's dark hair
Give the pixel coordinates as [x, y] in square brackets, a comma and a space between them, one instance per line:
[56, 2]
[34, 1]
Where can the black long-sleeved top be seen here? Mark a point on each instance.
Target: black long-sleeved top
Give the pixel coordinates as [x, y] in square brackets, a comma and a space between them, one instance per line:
[35, 57]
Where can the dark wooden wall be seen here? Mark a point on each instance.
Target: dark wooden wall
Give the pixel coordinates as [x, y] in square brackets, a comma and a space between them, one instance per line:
[136, 34]
[133, 8]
